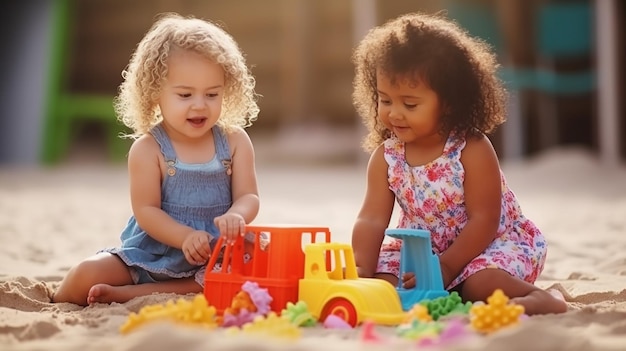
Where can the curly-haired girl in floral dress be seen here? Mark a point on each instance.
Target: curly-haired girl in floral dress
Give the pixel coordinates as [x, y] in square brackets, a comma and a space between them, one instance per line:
[429, 94]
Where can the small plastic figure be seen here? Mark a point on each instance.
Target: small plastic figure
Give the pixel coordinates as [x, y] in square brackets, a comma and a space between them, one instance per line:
[369, 335]
[250, 302]
[335, 322]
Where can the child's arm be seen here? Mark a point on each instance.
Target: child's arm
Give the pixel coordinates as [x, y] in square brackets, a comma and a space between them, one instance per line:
[373, 218]
[244, 187]
[483, 201]
[145, 194]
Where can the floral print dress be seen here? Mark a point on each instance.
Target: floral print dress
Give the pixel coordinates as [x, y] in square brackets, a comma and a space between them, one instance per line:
[431, 198]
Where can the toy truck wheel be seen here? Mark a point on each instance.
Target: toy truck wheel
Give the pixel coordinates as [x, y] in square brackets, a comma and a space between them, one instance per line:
[341, 308]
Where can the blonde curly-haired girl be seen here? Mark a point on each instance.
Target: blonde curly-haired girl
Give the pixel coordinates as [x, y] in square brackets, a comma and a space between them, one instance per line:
[187, 95]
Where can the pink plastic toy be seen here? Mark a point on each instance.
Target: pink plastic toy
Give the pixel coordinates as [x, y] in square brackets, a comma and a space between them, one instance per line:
[336, 322]
[250, 302]
[369, 335]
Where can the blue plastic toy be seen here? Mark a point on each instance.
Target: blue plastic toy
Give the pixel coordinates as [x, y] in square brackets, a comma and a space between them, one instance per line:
[417, 256]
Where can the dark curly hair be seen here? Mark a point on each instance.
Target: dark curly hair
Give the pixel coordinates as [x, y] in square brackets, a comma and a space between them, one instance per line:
[459, 68]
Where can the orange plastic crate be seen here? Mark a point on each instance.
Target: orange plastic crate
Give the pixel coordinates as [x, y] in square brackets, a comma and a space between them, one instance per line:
[278, 268]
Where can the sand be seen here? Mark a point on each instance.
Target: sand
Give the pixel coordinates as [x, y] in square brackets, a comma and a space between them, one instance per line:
[51, 218]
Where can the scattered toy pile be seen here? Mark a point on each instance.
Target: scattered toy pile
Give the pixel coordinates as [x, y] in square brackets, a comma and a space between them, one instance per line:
[429, 322]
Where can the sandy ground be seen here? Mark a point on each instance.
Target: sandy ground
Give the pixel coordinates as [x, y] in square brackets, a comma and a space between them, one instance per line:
[52, 218]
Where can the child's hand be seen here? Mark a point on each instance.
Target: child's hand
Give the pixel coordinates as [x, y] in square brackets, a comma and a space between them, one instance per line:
[230, 225]
[408, 280]
[196, 247]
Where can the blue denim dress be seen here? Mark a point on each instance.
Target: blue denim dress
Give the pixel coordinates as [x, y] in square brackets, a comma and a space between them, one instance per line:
[192, 194]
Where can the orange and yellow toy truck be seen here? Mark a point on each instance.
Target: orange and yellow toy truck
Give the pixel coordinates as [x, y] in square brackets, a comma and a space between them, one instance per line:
[301, 264]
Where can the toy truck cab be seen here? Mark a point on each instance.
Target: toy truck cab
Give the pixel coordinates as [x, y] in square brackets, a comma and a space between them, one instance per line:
[336, 288]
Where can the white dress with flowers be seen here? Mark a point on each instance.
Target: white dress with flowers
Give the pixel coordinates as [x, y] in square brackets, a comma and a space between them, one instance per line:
[431, 197]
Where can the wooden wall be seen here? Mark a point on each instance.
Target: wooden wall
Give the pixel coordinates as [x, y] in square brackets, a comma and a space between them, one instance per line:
[621, 47]
[299, 50]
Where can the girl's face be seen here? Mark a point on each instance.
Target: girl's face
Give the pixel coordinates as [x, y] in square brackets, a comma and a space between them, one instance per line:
[408, 108]
[192, 94]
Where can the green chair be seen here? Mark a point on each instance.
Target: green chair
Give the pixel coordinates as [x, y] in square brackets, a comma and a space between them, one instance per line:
[65, 108]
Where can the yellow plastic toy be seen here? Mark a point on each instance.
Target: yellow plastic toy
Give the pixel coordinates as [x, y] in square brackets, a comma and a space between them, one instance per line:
[419, 312]
[496, 314]
[335, 290]
[270, 326]
[195, 312]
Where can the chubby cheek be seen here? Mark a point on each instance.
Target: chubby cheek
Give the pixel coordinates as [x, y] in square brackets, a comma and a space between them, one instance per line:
[173, 105]
[216, 105]
[383, 116]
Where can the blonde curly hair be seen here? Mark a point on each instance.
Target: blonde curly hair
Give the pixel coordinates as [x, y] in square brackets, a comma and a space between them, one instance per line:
[433, 49]
[136, 104]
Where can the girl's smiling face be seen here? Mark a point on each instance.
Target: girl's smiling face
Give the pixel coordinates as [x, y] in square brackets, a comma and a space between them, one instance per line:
[192, 94]
[409, 108]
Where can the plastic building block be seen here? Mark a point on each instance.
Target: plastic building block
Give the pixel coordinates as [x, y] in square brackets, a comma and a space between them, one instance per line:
[496, 314]
[418, 312]
[271, 326]
[416, 256]
[298, 314]
[416, 330]
[447, 305]
[453, 331]
[195, 312]
[434, 333]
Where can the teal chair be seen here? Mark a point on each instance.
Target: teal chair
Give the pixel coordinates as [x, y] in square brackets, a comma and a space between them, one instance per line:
[479, 18]
[66, 109]
[563, 32]
[564, 77]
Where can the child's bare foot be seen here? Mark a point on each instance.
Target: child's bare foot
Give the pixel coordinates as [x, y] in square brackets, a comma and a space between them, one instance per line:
[106, 293]
[542, 302]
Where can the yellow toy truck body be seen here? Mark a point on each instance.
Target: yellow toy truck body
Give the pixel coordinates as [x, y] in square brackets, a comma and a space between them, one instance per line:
[338, 290]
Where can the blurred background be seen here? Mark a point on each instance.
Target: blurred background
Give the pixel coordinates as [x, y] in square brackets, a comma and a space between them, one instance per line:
[62, 61]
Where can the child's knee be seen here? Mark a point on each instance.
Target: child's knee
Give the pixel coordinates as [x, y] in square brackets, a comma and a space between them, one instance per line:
[85, 270]
[76, 284]
[78, 277]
